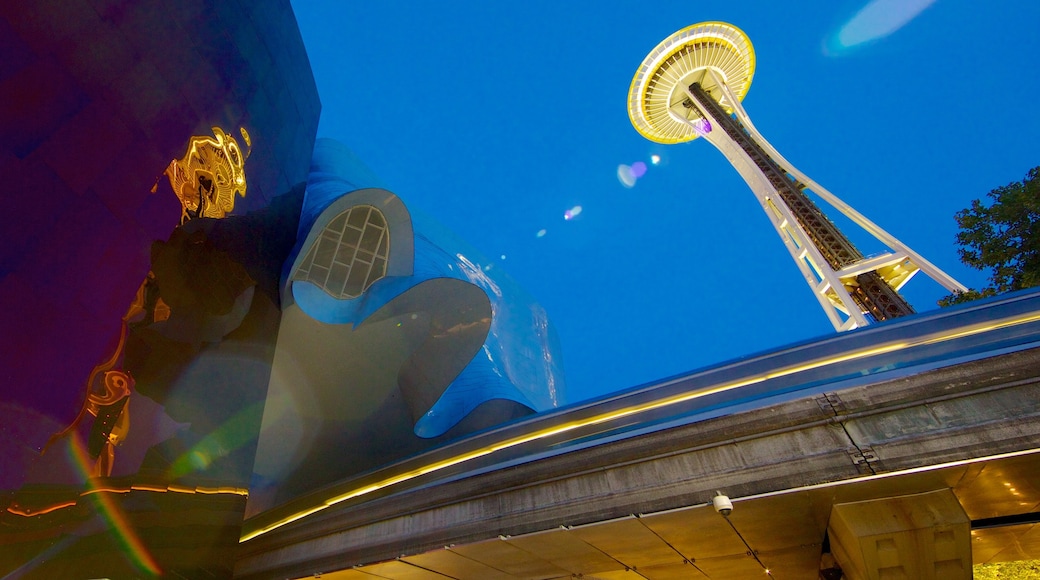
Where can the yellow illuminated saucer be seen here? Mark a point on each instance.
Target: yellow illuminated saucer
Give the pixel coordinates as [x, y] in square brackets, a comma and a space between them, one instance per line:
[657, 92]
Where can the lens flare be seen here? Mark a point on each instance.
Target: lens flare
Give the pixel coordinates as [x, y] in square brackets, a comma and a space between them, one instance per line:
[118, 523]
[655, 159]
[874, 21]
[702, 127]
[223, 440]
[638, 169]
[540, 234]
[626, 176]
[572, 213]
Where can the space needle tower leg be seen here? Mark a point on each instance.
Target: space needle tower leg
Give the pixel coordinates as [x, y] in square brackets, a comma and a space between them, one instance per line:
[823, 251]
[682, 92]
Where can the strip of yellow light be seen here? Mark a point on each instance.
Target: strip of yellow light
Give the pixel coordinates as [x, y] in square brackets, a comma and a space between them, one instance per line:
[636, 409]
[14, 509]
[876, 476]
[983, 327]
[41, 511]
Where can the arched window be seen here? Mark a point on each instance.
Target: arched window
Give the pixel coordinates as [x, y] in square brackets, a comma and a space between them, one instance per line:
[350, 254]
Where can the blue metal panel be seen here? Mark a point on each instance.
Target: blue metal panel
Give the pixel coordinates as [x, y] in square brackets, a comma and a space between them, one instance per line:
[519, 359]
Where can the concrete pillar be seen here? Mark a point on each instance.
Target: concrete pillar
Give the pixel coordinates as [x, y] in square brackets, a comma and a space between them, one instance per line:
[923, 536]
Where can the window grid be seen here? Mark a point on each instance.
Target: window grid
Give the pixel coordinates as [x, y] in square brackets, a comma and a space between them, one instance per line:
[349, 255]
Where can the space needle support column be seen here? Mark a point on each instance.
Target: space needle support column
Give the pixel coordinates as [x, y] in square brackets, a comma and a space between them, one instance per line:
[870, 292]
[902, 250]
[690, 86]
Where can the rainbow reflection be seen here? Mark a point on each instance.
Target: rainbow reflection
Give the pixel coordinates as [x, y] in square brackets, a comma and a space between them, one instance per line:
[113, 515]
[874, 21]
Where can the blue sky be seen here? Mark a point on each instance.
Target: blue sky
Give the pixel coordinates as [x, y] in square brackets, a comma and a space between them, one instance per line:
[496, 118]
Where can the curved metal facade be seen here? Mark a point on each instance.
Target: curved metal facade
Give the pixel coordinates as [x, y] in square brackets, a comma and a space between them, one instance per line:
[140, 314]
[462, 347]
[166, 355]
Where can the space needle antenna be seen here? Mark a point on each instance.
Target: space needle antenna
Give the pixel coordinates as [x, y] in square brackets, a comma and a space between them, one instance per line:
[691, 85]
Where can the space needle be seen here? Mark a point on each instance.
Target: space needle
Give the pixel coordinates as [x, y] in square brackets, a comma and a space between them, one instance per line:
[691, 85]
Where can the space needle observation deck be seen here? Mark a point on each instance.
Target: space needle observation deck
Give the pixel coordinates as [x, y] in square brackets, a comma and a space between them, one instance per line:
[691, 85]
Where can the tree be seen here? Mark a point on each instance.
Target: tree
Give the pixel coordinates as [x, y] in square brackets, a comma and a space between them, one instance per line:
[1015, 570]
[1003, 237]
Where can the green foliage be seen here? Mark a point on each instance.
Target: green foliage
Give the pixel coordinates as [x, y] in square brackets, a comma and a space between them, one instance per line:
[1003, 237]
[962, 297]
[1021, 570]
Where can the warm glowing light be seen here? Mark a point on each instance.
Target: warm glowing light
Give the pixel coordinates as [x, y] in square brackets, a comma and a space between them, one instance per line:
[654, 405]
[18, 510]
[687, 54]
[210, 175]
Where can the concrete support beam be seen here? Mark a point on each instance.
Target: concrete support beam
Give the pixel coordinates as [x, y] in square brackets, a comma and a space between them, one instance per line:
[925, 536]
[971, 410]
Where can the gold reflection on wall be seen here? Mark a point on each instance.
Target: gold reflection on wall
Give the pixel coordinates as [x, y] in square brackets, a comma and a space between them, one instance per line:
[108, 391]
[206, 181]
[210, 175]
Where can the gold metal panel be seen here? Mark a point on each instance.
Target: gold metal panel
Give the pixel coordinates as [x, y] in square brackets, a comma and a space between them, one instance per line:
[629, 542]
[566, 550]
[741, 566]
[619, 575]
[503, 556]
[697, 532]
[342, 575]
[1000, 488]
[758, 522]
[794, 562]
[672, 572]
[398, 570]
[1025, 547]
[456, 565]
[988, 544]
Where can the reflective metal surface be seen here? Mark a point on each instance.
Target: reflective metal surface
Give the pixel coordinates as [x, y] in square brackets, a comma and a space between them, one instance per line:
[395, 338]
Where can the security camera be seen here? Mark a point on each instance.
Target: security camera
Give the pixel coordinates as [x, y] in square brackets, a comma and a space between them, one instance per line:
[722, 504]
